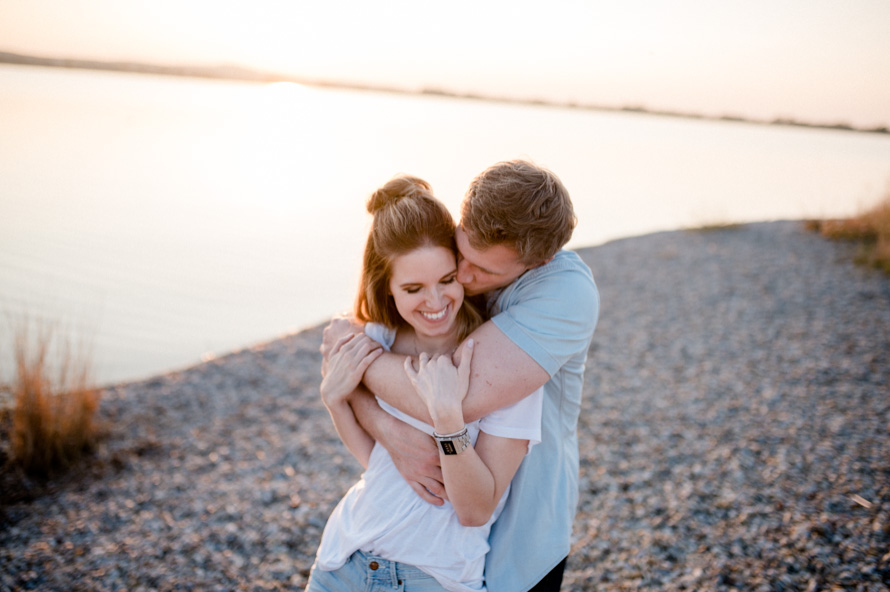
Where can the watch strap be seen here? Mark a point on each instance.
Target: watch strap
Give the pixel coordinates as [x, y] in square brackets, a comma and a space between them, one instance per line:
[455, 443]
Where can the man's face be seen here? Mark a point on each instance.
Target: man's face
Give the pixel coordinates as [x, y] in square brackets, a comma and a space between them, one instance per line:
[488, 269]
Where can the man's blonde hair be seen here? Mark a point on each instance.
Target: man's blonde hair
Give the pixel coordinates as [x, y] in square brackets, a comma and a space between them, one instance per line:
[522, 206]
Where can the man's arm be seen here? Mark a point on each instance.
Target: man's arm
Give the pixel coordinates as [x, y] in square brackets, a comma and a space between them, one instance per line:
[502, 374]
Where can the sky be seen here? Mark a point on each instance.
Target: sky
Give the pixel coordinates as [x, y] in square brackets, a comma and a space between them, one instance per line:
[819, 61]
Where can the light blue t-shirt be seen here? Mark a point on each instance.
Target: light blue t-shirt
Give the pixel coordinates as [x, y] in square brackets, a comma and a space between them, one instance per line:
[550, 312]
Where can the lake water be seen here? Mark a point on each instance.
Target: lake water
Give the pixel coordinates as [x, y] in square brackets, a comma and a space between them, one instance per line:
[164, 220]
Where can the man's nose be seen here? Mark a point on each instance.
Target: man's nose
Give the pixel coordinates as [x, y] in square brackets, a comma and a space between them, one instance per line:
[464, 272]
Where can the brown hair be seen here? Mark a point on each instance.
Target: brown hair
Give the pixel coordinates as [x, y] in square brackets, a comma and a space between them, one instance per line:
[520, 205]
[406, 217]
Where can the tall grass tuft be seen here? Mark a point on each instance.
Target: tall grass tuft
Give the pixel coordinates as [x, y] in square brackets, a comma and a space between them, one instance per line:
[54, 402]
[871, 229]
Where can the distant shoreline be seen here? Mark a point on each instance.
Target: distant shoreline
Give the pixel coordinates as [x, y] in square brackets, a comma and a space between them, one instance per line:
[234, 72]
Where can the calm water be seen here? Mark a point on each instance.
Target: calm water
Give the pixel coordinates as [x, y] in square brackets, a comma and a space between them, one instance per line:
[166, 219]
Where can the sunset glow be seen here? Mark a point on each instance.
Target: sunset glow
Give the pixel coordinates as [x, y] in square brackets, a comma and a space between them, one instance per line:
[821, 61]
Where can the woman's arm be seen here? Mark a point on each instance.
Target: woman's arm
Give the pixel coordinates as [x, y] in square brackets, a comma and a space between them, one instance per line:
[357, 441]
[475, 478]
[349, 358]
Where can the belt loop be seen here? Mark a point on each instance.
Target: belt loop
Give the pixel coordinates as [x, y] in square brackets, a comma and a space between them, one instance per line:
[394, 575]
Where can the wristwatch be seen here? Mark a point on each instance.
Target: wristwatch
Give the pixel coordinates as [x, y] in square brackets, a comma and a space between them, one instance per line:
[453, 443]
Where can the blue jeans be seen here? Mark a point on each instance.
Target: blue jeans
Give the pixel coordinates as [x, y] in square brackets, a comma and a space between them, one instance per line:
[367, 573]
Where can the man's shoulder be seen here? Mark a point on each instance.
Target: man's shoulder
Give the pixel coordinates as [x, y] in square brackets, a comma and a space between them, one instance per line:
[551, 311]
[567, 261]
[563, 283]
[565, 271]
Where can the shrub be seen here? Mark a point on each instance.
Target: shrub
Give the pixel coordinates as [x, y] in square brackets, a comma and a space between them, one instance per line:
[871, 229]
[54, 402]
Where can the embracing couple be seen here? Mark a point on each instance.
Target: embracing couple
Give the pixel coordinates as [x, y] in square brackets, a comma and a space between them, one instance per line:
[457, 385]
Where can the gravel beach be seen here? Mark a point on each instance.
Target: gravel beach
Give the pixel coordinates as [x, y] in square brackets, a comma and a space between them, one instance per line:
[734, 436]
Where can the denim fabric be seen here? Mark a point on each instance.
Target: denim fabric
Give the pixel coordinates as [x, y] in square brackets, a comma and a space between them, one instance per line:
[358, 575]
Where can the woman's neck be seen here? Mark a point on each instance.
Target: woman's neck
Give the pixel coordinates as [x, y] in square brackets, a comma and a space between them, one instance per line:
[435, 344]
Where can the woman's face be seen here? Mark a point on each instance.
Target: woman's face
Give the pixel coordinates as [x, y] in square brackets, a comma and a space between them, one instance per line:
[425, 289]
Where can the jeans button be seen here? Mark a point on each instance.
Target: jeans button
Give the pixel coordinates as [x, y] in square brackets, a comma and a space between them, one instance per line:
[373, 565]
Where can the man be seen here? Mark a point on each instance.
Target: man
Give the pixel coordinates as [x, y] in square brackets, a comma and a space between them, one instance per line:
[543, 302]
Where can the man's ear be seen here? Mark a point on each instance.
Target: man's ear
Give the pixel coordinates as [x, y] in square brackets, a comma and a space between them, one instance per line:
[544, 262]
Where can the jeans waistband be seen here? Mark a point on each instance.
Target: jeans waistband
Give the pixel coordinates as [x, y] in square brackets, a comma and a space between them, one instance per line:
[381, 569]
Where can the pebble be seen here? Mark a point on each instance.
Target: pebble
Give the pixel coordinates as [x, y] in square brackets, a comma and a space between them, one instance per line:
[734, 436]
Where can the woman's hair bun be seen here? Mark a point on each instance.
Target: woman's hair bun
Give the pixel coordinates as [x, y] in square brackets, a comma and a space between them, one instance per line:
[396, 189]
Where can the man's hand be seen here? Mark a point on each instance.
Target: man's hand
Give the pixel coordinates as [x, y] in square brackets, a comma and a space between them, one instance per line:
[338, 328]
[414, 453]
[416, 456]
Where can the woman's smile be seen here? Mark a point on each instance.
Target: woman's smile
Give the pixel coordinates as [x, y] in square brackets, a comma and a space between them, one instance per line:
[437, 316]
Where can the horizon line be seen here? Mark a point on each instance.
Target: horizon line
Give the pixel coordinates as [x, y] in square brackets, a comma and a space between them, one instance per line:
[246, 74]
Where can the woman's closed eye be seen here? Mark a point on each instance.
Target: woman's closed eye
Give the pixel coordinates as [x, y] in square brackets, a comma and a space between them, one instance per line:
[415, 288]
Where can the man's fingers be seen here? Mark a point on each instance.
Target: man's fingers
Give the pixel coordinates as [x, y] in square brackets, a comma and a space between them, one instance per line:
[434, 487]
[424, 494]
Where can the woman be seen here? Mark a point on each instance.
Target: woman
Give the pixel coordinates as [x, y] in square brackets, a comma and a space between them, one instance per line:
[381, 531]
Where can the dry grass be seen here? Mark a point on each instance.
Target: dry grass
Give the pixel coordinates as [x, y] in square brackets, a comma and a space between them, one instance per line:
[52, 420]
[870, 228]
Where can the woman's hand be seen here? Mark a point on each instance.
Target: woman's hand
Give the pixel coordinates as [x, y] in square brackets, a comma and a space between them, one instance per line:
[442, 387]
[347, 362]
[339, 327]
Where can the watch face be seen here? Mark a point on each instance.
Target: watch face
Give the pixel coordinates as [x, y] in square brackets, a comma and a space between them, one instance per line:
[455, 445]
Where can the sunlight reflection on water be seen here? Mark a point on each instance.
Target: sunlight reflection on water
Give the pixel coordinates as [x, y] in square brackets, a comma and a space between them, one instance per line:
[175, 217]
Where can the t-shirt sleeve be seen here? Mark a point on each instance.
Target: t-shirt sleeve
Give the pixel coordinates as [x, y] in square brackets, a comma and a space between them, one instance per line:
[381, 334]
[551, 314]
[520, 421]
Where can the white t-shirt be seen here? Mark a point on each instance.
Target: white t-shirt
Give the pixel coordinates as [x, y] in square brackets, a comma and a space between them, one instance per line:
[383, 516]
